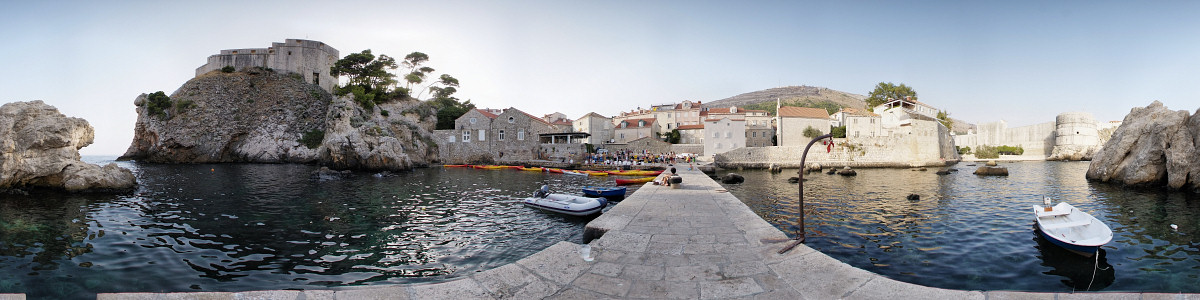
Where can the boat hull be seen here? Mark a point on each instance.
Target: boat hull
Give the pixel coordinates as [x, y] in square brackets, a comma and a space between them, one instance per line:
[1087, 251]
[606, 192]
[567, 204]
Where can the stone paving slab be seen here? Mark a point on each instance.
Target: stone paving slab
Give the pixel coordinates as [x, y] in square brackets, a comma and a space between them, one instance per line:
[693, 242]
[12, 296]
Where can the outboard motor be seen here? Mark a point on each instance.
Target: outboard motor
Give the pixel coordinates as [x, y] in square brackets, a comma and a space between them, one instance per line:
[542, 192]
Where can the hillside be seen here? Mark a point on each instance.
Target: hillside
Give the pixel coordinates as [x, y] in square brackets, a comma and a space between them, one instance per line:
[261, 116]
[795, 96]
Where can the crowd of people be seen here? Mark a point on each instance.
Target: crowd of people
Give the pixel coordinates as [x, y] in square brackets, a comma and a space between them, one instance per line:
[632, 158]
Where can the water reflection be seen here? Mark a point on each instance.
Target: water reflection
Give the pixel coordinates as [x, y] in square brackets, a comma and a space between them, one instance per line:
[971, 232]
[232, 227]
[1082, 273]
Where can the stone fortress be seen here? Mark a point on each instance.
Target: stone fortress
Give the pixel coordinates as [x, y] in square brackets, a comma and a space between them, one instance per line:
[1072, 136]
[310, 59]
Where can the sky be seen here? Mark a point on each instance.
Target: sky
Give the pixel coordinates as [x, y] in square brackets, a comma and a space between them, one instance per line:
[1023, 62]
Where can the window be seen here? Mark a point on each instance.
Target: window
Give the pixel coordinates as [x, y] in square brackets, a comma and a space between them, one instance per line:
[872, 121]
[716, 134]
[501, 136]
[466, 135]
[728, 134]
[316, 78]
[482, 135]
[451, 138]
[641, 123]
[718, 145]
[472, 120]
[289, 52]
[754, 134]
[521, 134]
[511, 120]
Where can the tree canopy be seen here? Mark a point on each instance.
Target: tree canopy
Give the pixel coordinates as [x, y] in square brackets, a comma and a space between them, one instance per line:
[887, 90]
[372, 79]
[944, 118]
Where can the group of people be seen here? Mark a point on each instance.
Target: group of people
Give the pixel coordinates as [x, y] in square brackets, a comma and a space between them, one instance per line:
[630, 158]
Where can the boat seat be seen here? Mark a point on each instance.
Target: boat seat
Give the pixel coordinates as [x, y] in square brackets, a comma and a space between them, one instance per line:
[1056, 212]
[1066, 224]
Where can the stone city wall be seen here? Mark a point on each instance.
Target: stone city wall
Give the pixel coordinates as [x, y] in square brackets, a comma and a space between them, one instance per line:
[1037, 139]
[925, 143]
[303, 57]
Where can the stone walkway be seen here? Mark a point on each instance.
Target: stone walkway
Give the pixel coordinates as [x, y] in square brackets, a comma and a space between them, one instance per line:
[696, 242]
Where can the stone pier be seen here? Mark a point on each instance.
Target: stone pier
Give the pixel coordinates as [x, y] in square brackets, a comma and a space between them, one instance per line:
[694, 242]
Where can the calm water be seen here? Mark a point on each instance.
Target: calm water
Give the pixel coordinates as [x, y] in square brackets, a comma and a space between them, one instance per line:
[973, 232]
[235, 227]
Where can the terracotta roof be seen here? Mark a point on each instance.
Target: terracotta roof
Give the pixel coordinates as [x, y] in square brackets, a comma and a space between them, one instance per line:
[857, 112]
[687, 127]
[720, 110]
[633, 123]
[803, 112]
[486, 114]
[714, 120]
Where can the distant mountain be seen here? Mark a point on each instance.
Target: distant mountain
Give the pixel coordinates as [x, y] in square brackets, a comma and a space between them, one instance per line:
[796, 95]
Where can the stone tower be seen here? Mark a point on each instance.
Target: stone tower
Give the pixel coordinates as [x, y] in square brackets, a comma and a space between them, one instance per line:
[1076, 136]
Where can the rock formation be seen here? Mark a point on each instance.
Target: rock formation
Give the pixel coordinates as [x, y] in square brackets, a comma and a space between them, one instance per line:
[39, 148]
[1153, 146]
[259, 115]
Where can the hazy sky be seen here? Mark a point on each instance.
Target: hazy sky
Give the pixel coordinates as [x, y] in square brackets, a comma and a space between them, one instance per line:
[983, 61]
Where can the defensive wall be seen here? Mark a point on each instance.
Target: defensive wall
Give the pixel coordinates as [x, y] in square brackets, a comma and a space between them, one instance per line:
[310, 59]
[924, 143]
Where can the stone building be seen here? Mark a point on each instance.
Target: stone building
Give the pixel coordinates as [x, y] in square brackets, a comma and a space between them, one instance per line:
[632, 129]
[691, 134]
[310, 59]
[723, 134]
[488, 135]
[794, 120]
[600, 128]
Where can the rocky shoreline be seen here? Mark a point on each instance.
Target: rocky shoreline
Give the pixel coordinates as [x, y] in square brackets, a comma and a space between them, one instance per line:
[40, 150]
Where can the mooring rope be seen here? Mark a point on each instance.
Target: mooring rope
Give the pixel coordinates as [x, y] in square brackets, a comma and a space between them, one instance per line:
[1094, 268]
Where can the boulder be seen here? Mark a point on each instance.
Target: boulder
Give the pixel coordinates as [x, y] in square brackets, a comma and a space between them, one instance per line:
[39, 148]
[732, 178]
[914, 197]
[795, 179]
[991, 163]
[846, 171]
[991, 171]
[831, 171]
[943, 172]
[1154, 146]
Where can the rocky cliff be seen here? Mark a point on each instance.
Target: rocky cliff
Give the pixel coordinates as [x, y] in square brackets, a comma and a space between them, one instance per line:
[259, 115]
[1153, 146]
[39, 148]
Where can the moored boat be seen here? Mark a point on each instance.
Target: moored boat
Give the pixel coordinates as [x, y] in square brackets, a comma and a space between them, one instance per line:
[608, 192]
[489, 167]
[1070, 228]
[565, 204]
[569, 172]
[536, 169]
[553, 170]
[635, 173]
[634, 181]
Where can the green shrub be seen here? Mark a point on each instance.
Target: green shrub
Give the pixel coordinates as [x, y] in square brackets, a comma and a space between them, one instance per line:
[158, 103]
[986, 151]
[839, 132]
[313, 138]
[228, 69]
[811, 132]
[383, 112]
[1010, 150]
[963, 150]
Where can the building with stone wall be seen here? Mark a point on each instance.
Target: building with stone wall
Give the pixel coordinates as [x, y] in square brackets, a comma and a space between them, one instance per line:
[794, 120]
[723, 134]
[600, 128]
[310, 59]
[632, 129]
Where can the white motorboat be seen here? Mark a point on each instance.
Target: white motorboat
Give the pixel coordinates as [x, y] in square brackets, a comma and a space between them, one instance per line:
[1070, 228]
[565, 204]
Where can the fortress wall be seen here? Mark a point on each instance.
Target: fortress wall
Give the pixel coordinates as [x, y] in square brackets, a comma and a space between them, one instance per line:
[303, 57]
[925, 143]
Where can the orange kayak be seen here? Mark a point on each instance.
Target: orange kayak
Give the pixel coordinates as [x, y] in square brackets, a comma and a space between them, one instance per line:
[489, 167]
[633, 181]
[559, 171]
